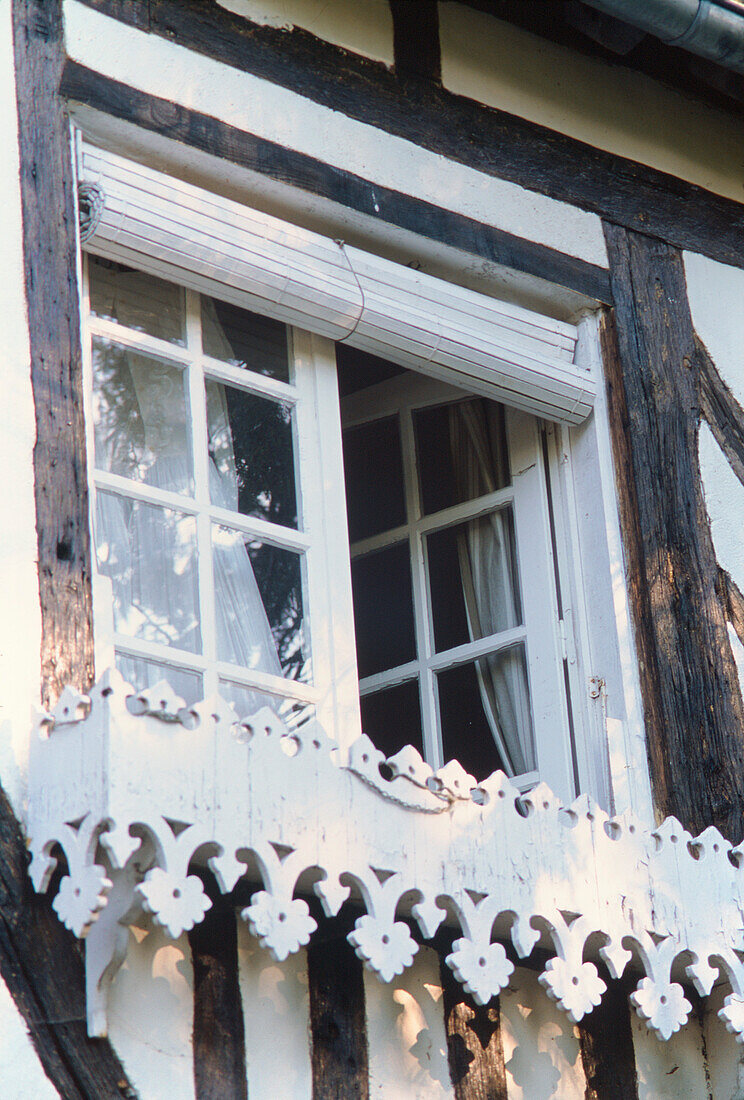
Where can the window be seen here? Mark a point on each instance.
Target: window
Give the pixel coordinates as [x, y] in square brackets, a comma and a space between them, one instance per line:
[223, 558]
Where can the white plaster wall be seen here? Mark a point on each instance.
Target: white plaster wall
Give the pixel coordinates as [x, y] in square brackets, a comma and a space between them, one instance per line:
[716, 295]
[541, 1048]
[674, 1070]
[20, 621]
[604, 105]
[405, 1029]
[276, 1014]
[172, 72]
[724, 1056]
[151, 1016]
[21, 1075]
[365, 28]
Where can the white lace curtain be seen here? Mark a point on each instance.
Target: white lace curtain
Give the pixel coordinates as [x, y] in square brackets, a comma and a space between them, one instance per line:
[489, 580]
[149, 553]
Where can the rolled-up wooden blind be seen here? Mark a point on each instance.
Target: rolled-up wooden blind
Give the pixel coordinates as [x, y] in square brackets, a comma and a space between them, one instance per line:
[223, 248]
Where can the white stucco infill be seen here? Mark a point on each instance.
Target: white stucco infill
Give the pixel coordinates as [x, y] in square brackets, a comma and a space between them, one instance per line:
[136, 787]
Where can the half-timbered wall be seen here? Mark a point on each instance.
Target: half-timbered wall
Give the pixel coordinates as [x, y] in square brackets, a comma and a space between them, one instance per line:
[255, 96]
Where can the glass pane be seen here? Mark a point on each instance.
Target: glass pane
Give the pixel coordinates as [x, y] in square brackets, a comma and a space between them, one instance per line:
[461, 451]
[392, 718]
[244, 339]
[143, 674]
[139, 411]
[383, 609]
[149, 555]
[139, 301]
[258, 603]
[250, 444]
[373, 469]
[485, 714]
[248, 701]
[357, 370]
[473, 579]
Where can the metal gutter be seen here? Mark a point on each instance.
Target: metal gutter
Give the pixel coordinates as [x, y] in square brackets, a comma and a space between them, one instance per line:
[713, 29]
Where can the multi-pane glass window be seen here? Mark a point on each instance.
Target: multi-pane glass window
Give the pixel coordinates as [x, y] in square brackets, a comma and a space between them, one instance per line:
[240, 550]
[441, 637]
[198, 528]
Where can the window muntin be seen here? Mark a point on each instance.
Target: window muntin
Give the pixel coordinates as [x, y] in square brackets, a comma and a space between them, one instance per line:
[201, 558]
[437, 601]
[286, 517]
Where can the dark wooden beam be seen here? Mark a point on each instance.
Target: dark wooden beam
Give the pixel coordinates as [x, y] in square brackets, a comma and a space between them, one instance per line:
[49, 212]
[622, 191]
[338, 1023]
[607, 1052]
[416, 39]
[692, 699]
[381, 203]
[219, 1030]
[41, 963]
[474, 1048]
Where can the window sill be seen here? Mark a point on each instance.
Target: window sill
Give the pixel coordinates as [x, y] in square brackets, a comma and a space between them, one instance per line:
[135, 789]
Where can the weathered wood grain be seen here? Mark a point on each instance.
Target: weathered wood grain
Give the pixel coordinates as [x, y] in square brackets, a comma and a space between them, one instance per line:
[42, 965]
[338, 1024]
[722, 411]
[691, 694]
[416, 39]
[49, 239]
[623, 191]
[219, 1030]
[383, 204]
[474, 1048]
[606, 1042]
[40, 961]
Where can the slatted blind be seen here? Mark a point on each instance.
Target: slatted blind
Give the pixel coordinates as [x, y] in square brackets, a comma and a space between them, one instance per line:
[230, 251]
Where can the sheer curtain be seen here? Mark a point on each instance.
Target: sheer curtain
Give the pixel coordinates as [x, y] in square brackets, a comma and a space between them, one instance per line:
[149, 553]
[490, 579]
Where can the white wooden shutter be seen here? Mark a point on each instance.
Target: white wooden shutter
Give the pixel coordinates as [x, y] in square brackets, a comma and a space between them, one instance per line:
[223, 248]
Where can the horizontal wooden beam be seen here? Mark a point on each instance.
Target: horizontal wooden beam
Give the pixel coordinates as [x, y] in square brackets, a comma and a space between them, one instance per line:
[499, 144]
[209, 134]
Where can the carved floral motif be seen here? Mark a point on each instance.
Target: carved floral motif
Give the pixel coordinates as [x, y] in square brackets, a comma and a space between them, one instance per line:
[136, 789]
[177, 902]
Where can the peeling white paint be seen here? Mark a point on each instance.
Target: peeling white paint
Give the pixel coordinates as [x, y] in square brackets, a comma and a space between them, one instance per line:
[20, 623]
[249, 103]
[276, 1014]
[363, 28]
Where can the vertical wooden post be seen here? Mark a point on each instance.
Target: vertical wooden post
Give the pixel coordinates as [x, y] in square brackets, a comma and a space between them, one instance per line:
[607, 1052]
[474, 1048]
[416, 45]
[49, 207]
[219, 1029]
[691, 694]
[338, 1023]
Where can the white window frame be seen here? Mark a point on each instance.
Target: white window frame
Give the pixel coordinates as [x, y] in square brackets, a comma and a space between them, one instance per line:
[526, 494]
[312, 393]
[600, 668]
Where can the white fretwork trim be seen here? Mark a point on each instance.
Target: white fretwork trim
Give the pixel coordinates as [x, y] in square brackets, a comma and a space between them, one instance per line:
[137, 789]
